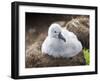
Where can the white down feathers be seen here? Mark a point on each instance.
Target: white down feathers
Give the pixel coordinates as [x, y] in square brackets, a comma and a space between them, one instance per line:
[60, 42]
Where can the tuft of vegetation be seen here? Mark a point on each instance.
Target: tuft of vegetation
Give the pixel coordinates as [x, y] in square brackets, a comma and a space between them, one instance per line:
[86, 55]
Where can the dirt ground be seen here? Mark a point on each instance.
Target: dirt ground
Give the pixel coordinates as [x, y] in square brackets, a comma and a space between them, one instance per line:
[36, 31]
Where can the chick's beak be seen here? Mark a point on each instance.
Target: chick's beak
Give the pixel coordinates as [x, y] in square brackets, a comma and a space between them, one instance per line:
[60, 36]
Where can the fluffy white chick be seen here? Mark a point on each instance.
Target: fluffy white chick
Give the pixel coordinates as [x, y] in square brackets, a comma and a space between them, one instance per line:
[61, 42]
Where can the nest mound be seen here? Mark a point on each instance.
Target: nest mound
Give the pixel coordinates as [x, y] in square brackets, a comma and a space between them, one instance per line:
[34, 57]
